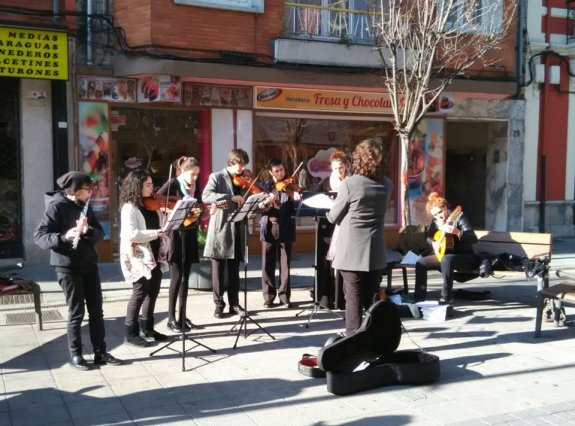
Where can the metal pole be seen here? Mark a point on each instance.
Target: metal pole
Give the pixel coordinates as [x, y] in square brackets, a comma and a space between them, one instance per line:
[542, 195]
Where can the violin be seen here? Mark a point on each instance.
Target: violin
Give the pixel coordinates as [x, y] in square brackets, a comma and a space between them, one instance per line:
[244, 183]
[159, 202]
[288, 185]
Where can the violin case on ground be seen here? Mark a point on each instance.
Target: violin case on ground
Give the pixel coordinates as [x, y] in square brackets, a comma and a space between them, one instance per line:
[373, 348]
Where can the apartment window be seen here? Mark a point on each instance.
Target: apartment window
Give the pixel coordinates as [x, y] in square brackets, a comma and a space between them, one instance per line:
[330, 20]
[479, 16]
[254, 6]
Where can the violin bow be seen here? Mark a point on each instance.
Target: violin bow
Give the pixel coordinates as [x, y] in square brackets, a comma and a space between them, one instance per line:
[296, 171]
[168, 193]
[252, 184]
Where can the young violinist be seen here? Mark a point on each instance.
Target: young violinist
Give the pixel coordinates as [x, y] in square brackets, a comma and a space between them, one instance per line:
[277, 233]
[461, 258]
[225, 240]
[182, 186]
[142, 256]
[68, 218]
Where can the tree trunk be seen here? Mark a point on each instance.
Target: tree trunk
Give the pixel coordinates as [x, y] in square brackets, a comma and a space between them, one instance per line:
[404, 185]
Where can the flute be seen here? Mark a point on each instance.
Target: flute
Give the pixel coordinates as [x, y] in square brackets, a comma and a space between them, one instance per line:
[81, 219]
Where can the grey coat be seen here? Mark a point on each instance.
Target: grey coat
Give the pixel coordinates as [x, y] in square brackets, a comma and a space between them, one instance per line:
[359, 210]
[221, 238]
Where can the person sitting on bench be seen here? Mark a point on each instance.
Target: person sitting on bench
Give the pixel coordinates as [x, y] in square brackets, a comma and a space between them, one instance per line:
[452, 238]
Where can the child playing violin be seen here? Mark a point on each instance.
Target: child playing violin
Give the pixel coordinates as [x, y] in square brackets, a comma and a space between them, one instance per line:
[183, 185]
[277, 233]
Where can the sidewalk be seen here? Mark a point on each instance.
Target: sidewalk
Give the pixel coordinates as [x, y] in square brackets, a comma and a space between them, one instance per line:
[493, 370]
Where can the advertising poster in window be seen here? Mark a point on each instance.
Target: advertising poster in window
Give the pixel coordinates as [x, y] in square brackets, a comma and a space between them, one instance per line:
[160, 88]
[94, 157]
[425, 166]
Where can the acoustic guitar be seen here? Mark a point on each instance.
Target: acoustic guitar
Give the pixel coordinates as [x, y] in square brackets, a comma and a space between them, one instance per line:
[445, 241]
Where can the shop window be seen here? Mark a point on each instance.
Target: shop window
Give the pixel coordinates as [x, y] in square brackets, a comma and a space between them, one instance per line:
[311, 140]
[10, 177]
[152, 139]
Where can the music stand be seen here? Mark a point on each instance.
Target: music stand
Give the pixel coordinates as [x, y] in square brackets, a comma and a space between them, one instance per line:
[316, 205]
[174, 223]
[242, 214]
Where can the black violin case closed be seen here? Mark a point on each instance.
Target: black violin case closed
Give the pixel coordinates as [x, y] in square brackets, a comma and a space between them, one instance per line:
[374, 346]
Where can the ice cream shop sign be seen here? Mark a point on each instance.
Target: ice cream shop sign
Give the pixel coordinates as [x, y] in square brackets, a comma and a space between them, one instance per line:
[27, 53]
[321, 100]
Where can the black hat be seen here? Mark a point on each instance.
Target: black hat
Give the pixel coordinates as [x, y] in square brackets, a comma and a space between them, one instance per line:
[73, 181]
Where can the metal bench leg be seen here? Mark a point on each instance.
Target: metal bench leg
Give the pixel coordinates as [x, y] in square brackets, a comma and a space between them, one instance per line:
[405, 285]
[38, 309]
[539, 316]
[389, 277]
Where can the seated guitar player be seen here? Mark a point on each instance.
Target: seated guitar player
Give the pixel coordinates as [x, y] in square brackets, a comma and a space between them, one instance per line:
[452, 238]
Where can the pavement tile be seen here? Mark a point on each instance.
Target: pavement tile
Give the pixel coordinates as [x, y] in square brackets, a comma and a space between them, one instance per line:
[36, 415]
[493, 370]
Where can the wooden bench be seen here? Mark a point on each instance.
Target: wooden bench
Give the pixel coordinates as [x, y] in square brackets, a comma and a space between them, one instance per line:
[31, 288]
[493, 243]
[557, 295]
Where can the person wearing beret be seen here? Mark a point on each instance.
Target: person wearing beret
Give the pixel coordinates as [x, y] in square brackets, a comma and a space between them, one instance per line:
[70, 230]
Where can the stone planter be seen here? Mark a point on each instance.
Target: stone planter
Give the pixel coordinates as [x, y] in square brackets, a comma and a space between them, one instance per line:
[201, 275]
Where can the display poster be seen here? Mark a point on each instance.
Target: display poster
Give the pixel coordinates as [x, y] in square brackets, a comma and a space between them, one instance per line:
[160, 88]
[27, 53]
[425, 167]
[94, 157]
[217, 96]
[107, 89]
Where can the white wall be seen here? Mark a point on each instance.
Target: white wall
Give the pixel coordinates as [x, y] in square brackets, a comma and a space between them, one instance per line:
[37, 161]
[222, 137]
[223, 134]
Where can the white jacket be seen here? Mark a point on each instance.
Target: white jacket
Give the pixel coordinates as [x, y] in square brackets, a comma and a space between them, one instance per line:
[136, 258]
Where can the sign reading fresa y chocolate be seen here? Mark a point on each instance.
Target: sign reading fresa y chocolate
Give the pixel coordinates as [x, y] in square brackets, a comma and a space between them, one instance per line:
[321, 100]
[27, 53]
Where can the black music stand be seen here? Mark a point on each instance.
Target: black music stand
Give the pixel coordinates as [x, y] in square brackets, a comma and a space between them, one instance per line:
[242, 214]
[318, 213]
[175, 224]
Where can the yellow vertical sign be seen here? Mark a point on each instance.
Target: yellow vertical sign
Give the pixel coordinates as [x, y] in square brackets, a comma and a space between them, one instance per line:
[27, 53]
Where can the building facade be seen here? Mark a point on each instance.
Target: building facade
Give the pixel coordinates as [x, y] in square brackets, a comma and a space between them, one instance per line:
[549, 188]
[153, 80]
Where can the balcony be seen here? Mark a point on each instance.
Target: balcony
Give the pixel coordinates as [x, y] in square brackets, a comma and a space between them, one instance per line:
[570, 21]
[331, 36]
[319, 23]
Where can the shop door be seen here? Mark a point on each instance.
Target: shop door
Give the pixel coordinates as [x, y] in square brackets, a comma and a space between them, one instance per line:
[10, 175]
[465, 174]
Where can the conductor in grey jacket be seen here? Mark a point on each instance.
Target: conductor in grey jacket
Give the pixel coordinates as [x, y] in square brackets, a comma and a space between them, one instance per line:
[225, 240]
[359, 210]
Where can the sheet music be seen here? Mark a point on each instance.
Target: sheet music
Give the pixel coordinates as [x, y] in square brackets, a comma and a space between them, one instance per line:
[319, 201]
[410, 258]
[178, 214]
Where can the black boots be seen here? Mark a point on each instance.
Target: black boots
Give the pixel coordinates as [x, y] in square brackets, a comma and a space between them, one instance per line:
[133, 336]
[147, 330]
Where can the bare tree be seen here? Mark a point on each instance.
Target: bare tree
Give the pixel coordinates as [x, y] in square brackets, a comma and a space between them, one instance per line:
[423, 46]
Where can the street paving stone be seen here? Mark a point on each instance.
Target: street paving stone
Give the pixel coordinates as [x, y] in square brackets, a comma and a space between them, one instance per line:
[493, 371]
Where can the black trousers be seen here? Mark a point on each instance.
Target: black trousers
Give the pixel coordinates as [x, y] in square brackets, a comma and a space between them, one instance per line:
[144, 295]
[270, 253]
[177, 272]
[80, 287]
[361, 291]
[219, 267]
[449, 263]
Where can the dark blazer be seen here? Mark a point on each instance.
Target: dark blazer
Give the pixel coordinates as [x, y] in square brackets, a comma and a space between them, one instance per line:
[174, 254]
[284, 215]
[359, 210]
